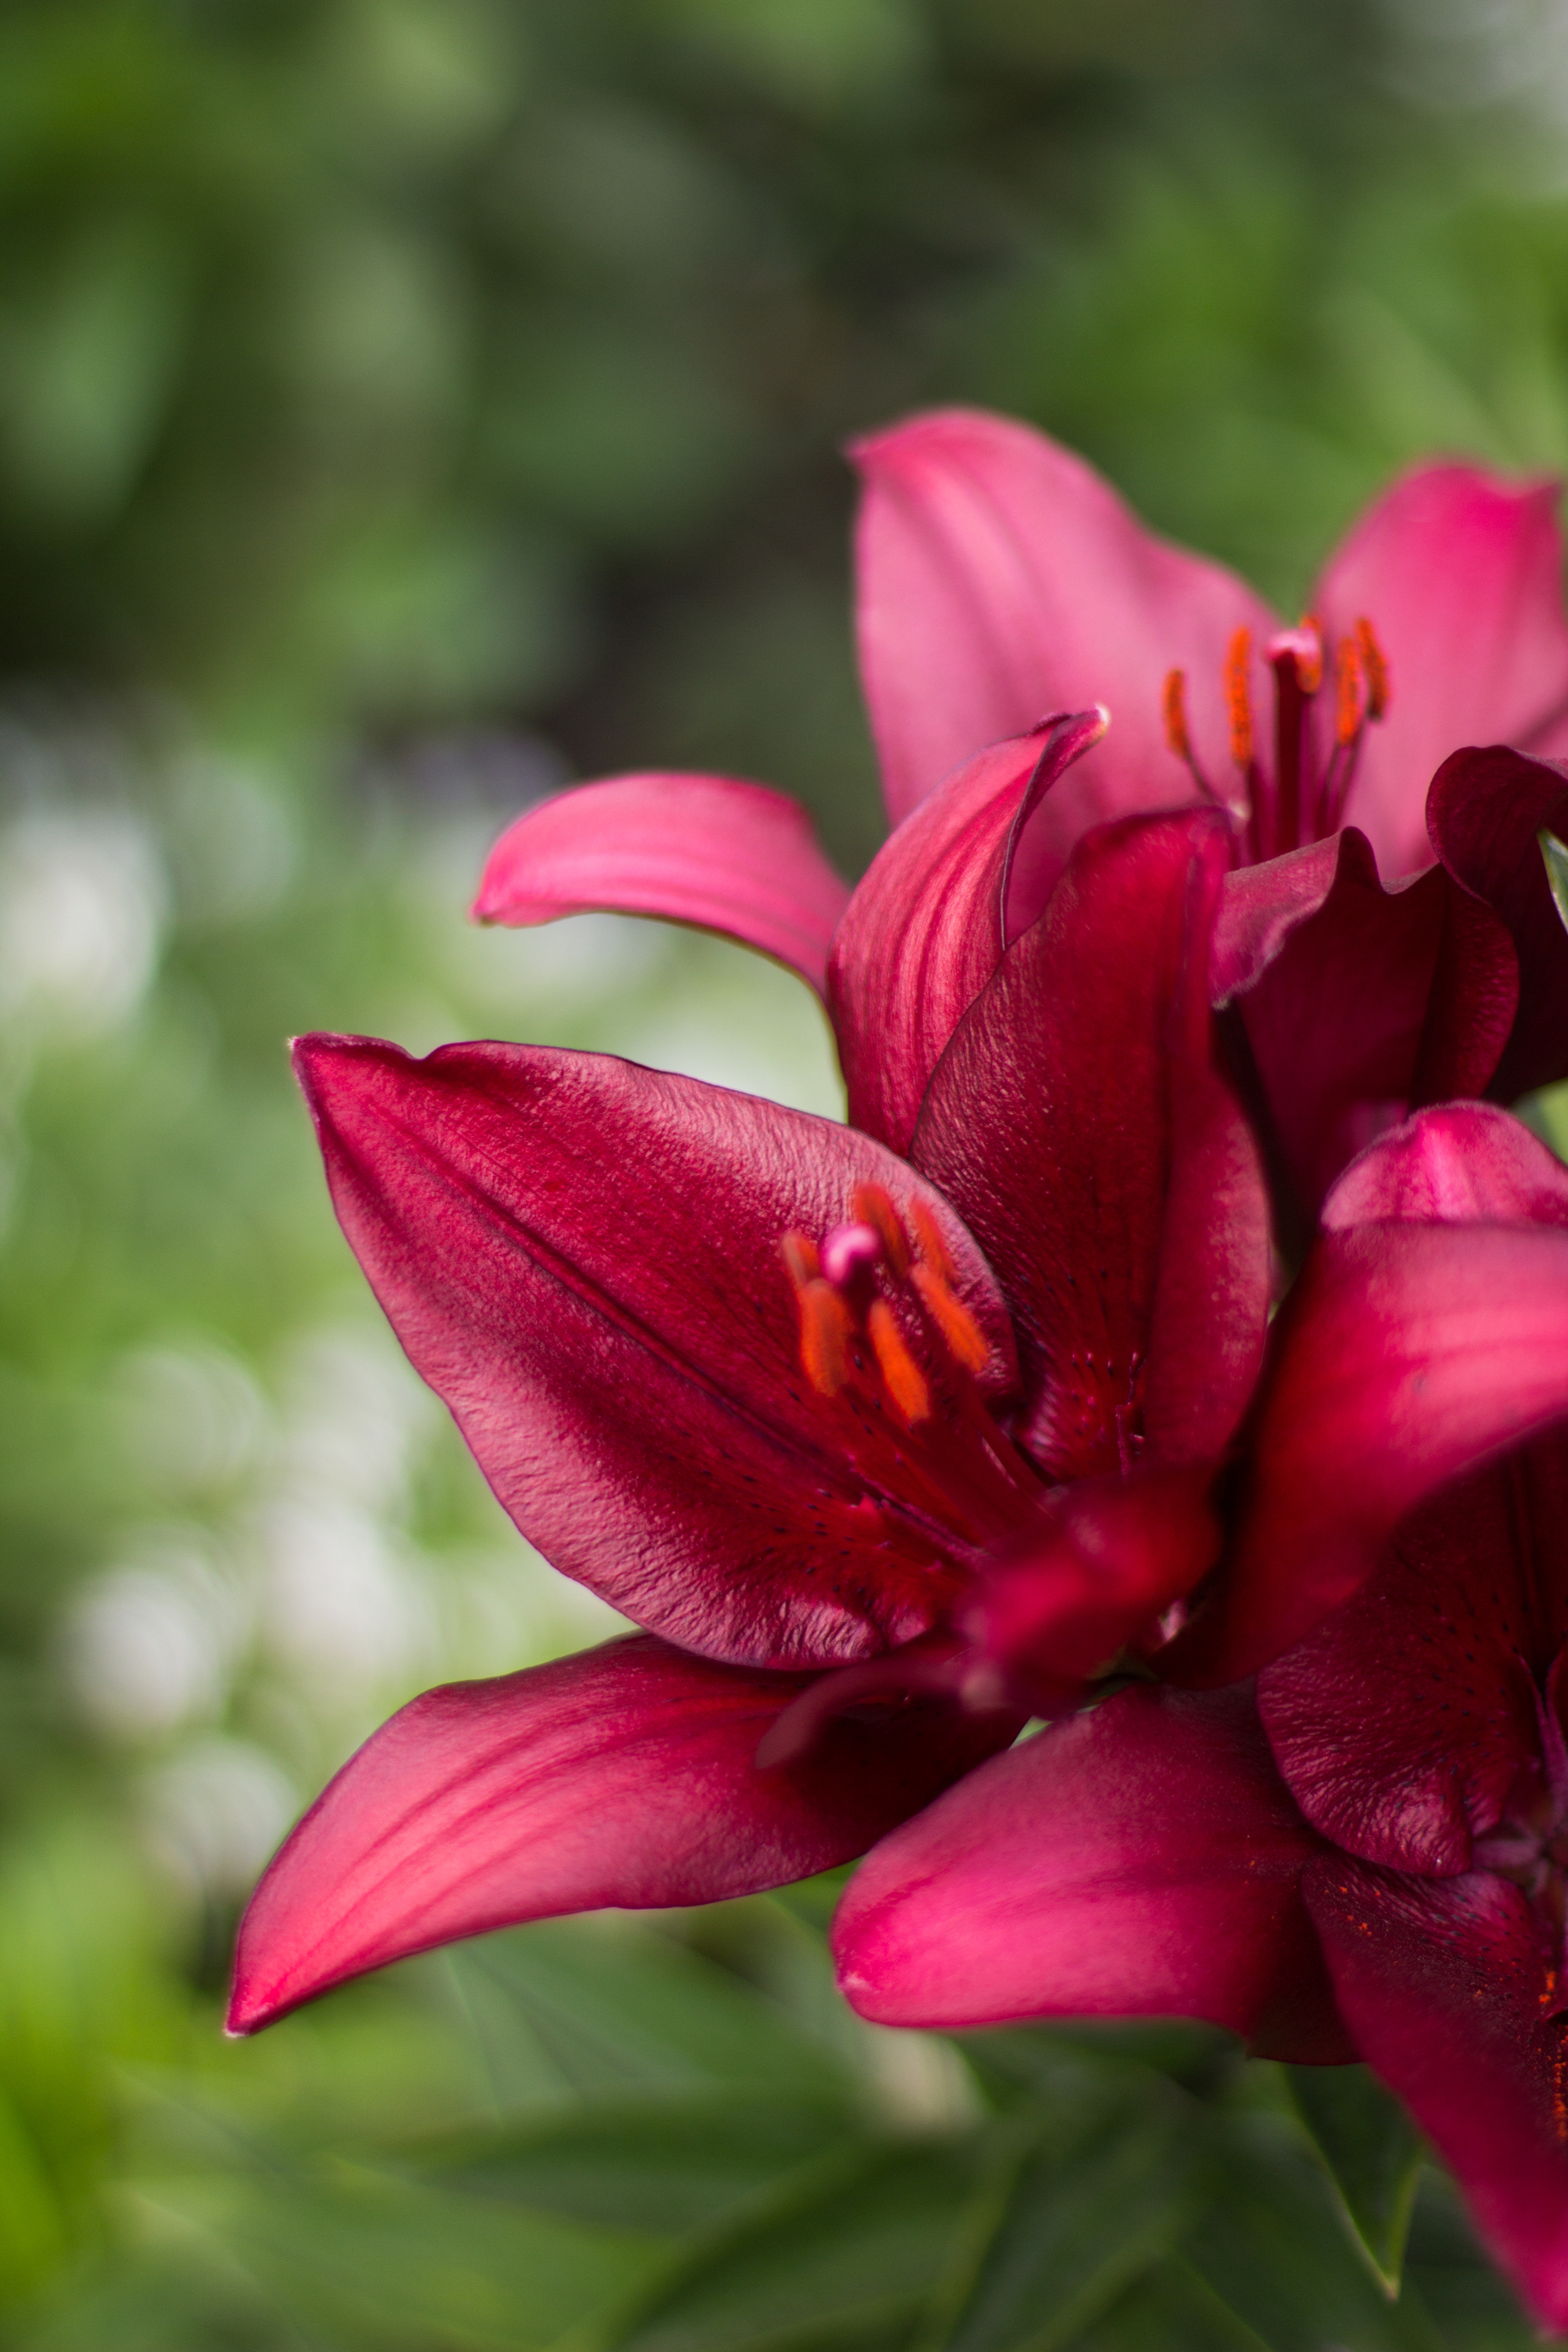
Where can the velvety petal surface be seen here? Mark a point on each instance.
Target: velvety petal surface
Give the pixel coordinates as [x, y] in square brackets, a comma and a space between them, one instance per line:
[1458, 1163]
[1460, 573]
[1483, 813]
[1470, 1598]
[727, 857]
[1106, 1557]
[929, 922]
[1000, 578]
[583, 1259]
[624, 1776]
[1142, 1860]
[1443, 1985]
[1336, 998]
[1075, 1123]
[1406, 1356]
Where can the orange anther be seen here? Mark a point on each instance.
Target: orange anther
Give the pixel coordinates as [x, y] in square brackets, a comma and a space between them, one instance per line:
[1310, 655]
[1176, 735]
[1350, 697]
[952, 1320]
[824, 1338]
[802, 1262]
[906, 1382]
[874, 1206]
[1374, 662]
[1238, 696]
[928, 1232]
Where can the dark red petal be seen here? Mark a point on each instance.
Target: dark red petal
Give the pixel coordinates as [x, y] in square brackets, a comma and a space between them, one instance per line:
[1142, 1860]
[727, 857]
[1444, 1987]
[1000, 577]
[1407, 1355]
[928, 925]
[1459, 1163]
[1110, 1555]
[1332, 977]
[582, 1257]
[1075, 1123]
[623, 1776]
[1460, 573]
[1483, 813]
[1470, 1598]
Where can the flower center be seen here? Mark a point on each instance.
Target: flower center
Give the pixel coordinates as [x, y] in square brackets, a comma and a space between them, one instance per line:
[1302, 795]
[1529, 1845]
[892, 1350]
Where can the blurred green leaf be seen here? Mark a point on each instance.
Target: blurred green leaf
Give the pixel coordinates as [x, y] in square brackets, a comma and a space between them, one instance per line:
[1555, 858]
[1069, 2227]
[664, 2165]
[1374, 2153]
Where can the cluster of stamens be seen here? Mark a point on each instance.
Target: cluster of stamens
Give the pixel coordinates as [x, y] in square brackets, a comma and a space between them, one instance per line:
[842, 1305]
[1305, 798]
[1529, 1843]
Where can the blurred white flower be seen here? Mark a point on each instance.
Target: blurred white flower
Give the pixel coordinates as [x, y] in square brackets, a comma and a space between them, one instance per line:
[149, 1644]
[190, 1416]
[215, 1812]
[83, 899]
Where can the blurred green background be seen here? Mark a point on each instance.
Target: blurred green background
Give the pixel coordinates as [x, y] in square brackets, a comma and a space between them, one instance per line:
[406, 407]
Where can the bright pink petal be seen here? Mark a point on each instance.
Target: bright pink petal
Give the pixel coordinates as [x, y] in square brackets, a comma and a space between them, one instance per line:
[1484, 811]
[1407, 1355]
[623, 1776]
[1109, 1555]
[928, 925]
[1460, 574]
[1334, 979]
[1077, 1125]
[582, 1257]
[1142, 1860]
[1403, 1767]
[729, 857]
[1000, 578]
[1443, 1986]
[1459, 1163]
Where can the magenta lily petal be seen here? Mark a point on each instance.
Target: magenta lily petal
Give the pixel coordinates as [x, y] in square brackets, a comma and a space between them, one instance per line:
[1403, 1767]
[583, 1259]
[999, 578]
[1408, 1356]
[1108, 1557]
[929, 923]
[1461, 575]
[731, 857]
[1458, 1163]
[623, 1776]
[1336, 998]
[1109, 1175]
[1142, 1860]
[1483, 813]
[1444, 1987]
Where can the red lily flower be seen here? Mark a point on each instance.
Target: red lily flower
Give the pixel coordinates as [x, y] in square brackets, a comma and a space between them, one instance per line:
[1000, 578]
[752, 1378]
[1363, 1856]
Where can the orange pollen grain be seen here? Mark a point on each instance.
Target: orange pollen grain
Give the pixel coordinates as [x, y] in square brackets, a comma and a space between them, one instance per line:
[824, 1338]
[953, 1319]
[1238, 696]
[928, 1232]
[1175, 700]
[906, 1382]
[874, 1207]
[802, 1261]
[1349, 705]
[1374, 662]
